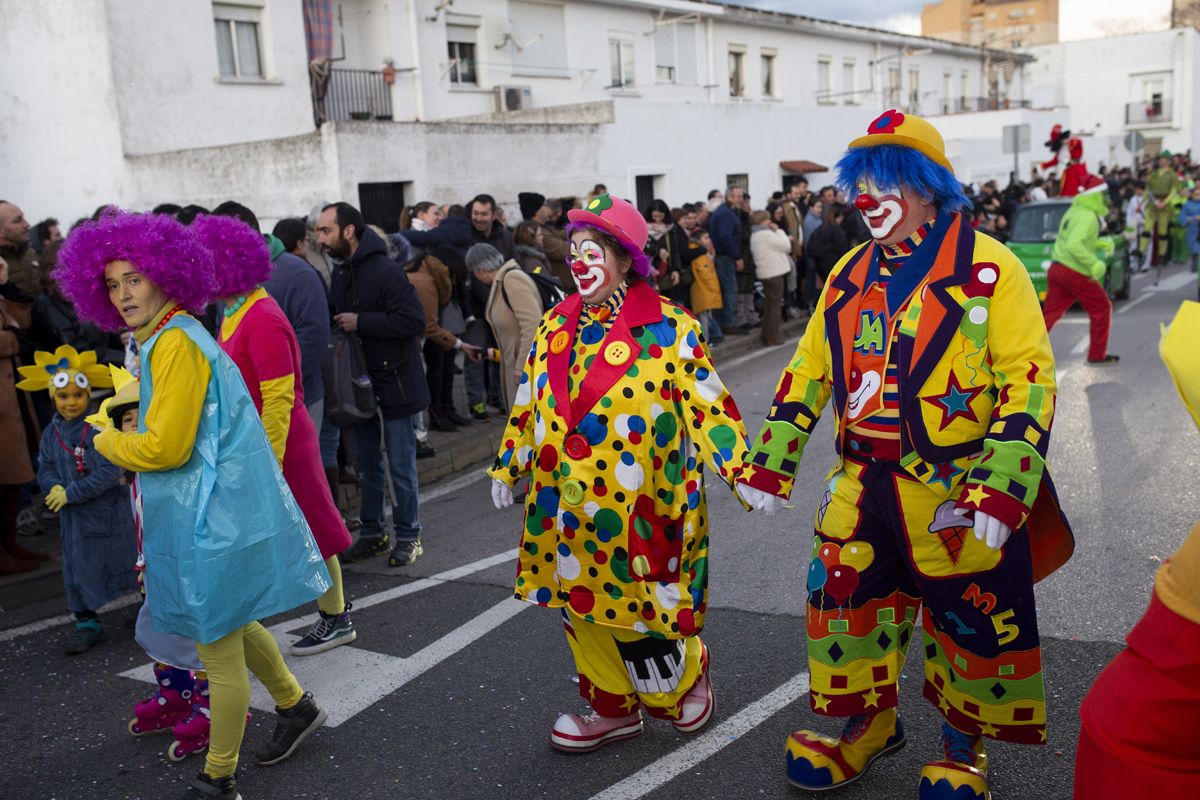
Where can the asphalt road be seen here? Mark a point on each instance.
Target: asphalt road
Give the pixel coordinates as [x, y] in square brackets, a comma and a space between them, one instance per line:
[452, 687]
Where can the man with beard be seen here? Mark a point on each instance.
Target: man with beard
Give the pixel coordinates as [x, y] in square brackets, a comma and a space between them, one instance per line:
[373, 299]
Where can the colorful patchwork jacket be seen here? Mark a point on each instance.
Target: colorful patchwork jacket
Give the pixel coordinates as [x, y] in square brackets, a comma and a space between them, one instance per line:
[977, 387]
[613, 430]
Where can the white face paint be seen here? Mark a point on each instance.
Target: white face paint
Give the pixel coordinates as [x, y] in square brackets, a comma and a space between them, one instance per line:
[884, 208]
[588, 268]
[863, 387]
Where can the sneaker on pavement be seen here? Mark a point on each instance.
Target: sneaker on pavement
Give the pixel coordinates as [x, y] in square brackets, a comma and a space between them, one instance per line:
[87, 632]
[1107, 361]
[574, 733]
[962, 775]
[365, 547]
[293, 727]
[818, 763]
[425, 449]
[696, 708]
[330, 631]
[479, 412]
[405, 553]
[206, 788]
[455, 417]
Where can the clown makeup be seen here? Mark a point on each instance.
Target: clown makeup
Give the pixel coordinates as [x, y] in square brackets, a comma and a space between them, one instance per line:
[596, 269]
[135, 296]
[883, 207]
[71, 399]
[129, 421]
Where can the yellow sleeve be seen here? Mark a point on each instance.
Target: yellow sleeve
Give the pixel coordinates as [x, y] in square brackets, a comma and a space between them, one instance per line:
[179, 374]
[278, 398]
[516, 445]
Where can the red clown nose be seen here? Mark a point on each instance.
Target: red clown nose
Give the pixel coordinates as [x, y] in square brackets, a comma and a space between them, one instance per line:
[864, 202]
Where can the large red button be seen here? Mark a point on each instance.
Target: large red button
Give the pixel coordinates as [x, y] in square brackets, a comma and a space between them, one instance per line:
[577, 446]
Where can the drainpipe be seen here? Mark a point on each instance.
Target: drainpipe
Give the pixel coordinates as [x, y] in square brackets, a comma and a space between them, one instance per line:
[414, 44]
[712, 77]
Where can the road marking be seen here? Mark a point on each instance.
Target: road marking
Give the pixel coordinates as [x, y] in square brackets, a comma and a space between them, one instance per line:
[1081, 346]
[1060, 375]
[737, 362]
[1141, 298]
[670, 766]
[1173, 283]
[63, 619]
[442, 489]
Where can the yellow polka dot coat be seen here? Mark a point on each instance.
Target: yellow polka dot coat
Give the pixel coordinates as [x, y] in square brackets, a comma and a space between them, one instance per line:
[613, 421]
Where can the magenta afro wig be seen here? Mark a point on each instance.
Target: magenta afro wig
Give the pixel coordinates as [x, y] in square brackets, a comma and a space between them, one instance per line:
[240, 255]
[640, 263]
[163, 250]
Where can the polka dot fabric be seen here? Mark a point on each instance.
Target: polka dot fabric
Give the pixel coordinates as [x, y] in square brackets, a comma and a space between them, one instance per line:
[616, 523]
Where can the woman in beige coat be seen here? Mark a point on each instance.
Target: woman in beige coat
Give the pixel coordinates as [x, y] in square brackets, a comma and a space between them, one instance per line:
[514, 309]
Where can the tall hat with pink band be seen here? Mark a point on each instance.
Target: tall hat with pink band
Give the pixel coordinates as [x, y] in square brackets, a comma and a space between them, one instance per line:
[619, 219]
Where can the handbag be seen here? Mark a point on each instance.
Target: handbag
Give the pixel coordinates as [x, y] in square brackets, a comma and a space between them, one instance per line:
[349, 393]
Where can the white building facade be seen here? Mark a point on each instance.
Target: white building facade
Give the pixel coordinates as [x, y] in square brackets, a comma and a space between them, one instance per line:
[1142, 83]
[137, 102]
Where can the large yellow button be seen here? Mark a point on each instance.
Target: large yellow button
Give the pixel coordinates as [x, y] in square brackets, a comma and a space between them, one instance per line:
[640, 566]
[572, 492]
[560, 342]
[616, 353]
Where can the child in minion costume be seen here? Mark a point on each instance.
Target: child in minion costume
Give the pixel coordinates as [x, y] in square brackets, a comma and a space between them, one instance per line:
[85, 488]
[618, 410]
[930, 341]
[1137, 737]
[225, 543]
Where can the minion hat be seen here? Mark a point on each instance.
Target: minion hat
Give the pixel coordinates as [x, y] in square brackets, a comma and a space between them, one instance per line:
[1177, 349]
[57, 370]
[906, 130]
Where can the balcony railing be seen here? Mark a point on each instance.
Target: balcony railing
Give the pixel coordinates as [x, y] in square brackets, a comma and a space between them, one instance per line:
[1148, 112]
[967, 105]
[345, 94]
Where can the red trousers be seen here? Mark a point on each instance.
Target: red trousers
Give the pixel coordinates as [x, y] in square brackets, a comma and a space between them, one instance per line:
[1064, 286]
[1138, 737]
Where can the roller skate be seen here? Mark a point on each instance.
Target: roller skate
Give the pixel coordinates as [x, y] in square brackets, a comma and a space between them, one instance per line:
[191, 735]
[170, 704]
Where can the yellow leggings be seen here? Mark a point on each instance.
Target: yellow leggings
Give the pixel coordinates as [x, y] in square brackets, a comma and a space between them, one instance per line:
[226, 661]
[606, 682]
[333, 602]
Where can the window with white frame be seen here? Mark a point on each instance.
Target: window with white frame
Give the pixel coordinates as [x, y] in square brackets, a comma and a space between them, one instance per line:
[893, 86]
[239, 49]
[620, 56]
[460, 47]
[769, 89]
[947, 92]
[965, 88]
[824, 79]
[537, 39]
[737, 71]
[914, 90]
[675, 52]
[850, 81]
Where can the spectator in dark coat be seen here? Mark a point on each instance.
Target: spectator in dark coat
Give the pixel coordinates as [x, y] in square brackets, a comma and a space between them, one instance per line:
[829, 242]
[486, 227]
[373, 298]
[453, 231]
[725, 228]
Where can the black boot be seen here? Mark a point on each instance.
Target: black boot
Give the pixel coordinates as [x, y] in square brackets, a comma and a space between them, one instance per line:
[206, 788]
[293, 727]
[439, 422]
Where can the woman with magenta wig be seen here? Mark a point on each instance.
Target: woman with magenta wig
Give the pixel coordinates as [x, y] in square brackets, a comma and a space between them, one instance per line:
[617, 411]
[221, 542]
[256, 334]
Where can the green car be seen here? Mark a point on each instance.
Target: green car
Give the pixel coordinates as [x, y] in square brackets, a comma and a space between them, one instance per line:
[1034, 229]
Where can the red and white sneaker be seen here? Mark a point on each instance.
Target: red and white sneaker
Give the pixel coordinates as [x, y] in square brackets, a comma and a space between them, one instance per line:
[574, 733]
[696, 708]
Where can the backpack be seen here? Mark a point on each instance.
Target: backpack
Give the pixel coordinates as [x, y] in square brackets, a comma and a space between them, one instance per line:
[349, 394]
[550, 289]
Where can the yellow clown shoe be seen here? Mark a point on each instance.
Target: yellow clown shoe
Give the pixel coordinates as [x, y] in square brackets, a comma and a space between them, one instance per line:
[962, 775]
[818, 763]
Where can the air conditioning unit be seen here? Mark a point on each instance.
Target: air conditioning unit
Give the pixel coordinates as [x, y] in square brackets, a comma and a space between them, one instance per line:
[514, 98]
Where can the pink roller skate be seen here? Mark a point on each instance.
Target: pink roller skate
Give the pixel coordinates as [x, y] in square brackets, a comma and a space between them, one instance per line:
[191, 735]
[170, 704]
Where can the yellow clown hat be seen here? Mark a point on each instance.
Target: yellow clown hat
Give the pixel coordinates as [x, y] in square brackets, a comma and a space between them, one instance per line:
[125, 398]
[1178, 351]
[906, 130]
[61, 368]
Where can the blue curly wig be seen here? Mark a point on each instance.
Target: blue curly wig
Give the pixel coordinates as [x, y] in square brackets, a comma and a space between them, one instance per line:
[894, 165]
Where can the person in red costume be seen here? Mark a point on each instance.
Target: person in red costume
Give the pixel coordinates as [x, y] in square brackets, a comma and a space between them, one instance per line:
[1055, 143]
[1076, 172]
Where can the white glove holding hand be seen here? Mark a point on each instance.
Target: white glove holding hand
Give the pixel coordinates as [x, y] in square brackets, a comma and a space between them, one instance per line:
[502, 496]
[991, 530]
[759, 500]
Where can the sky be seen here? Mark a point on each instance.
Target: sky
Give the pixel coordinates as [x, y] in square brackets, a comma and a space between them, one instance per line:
[1078, 19]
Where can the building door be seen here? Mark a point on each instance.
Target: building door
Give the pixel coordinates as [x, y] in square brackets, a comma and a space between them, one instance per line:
[381, 204]
[643, 191]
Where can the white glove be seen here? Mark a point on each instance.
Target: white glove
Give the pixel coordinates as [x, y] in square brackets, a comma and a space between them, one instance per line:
[991, 530]
[759, 500]
[502, 496]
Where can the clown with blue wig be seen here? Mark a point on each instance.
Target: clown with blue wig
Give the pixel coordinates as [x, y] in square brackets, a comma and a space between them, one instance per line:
[930, 341]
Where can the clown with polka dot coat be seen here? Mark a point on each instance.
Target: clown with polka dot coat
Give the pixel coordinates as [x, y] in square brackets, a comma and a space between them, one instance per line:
[617, 412]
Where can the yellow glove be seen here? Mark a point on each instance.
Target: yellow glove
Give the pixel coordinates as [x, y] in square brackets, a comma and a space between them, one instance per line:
[56, 498]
